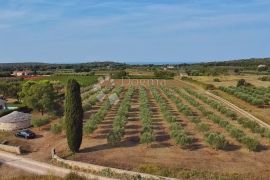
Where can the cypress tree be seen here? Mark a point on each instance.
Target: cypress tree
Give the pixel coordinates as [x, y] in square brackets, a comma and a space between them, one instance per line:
[73, 115]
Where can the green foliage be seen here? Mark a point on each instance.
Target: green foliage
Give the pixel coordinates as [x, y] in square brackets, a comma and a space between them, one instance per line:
[119, 74]
[177, 131]
[264, 78]
[63, 79]
[120, 119]
[203, 127]
[97, 118]
[239, 135]
[216, 80]
[73, 115]
[217, 141]
[251, 143]
[242, 82]
[114, 137]
[10, 89]
[147, 135]
[198, 70]
[74, 176]
[38, 95]
[56, 128]
[40, 122]
[255, 96]
[163, 74]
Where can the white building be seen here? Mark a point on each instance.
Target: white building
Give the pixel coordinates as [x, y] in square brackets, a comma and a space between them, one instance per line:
[21, 73]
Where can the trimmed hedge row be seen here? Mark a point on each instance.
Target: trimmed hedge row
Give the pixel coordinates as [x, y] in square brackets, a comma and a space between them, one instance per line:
[251, 98]
[98, 117]
[216, 140]
[120, 120]
[177, 131]
[245, 122]
[251, 143]
[147, 134]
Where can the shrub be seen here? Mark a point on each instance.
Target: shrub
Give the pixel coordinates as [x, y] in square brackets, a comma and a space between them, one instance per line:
[147, 137]
[74, 176]
[183, 139]
[56, 128]
[217, 141]
[203, 127]
[216, 80]
[40, 122]
[113, 138]
[251, 143]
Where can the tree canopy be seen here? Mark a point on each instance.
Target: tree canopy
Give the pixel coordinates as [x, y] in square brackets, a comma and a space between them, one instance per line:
[38, 95]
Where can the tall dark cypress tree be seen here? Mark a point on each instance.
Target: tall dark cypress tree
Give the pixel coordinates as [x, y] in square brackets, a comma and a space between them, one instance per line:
[73, 115]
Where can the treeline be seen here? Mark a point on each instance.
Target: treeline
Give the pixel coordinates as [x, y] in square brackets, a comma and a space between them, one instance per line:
[252, 62]
[158, 74]
[80, 67]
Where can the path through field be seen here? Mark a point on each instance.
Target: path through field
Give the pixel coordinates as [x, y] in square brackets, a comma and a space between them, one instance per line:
[241, 111]
[37, 167]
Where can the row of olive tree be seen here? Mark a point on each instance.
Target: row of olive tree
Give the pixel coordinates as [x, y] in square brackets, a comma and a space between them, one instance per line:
[251, 143]
[216, 140]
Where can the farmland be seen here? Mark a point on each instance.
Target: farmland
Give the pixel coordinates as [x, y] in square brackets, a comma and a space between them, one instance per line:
[173, 128]
[63, 79]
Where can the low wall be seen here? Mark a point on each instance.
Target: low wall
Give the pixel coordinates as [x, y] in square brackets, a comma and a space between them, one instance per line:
[97, 168]
[15, 125]
[11, 149]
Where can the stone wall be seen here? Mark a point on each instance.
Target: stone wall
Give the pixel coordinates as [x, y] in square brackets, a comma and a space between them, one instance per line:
[97, 168]
[11, 149]
[14, 126]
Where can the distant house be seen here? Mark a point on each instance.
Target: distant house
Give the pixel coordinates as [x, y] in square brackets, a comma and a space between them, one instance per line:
[170, 67]
[22, 73]
[183, 75]
[262, 66]
[3, 104]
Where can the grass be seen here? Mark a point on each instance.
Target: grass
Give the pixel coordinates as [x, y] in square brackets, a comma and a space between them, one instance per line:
[4, 135]
[180, 173]
[261, 113]
[231, 80]
[71, 176]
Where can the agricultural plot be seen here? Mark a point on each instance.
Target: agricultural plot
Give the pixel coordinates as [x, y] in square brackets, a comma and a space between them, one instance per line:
[256, 96]
[173, 127]
[83, 80]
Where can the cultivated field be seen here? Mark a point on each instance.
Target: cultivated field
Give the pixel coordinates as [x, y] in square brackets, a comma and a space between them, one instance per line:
[171, 126]
[231, 80]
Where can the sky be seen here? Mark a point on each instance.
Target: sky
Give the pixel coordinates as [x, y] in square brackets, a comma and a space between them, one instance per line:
[133, 31]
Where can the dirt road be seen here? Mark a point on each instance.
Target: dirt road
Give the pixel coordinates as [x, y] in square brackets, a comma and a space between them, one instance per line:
[241, 111]
[38, 168]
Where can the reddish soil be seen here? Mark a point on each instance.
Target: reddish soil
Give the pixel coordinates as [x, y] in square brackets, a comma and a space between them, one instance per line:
[130, 154]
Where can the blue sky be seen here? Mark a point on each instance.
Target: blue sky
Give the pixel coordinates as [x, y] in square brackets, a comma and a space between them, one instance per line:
[68, 31]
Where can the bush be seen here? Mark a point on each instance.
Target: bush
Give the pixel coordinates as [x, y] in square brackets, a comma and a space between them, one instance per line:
[183, 139]
[203, 127]
[147, 137]
[217, 141]
[56, 128]
[74, 176]
[216, 80]
[40, 122]
[113, 138]
[251, 143]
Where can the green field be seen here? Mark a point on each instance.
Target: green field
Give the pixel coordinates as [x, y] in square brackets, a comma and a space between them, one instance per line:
[63, 79]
